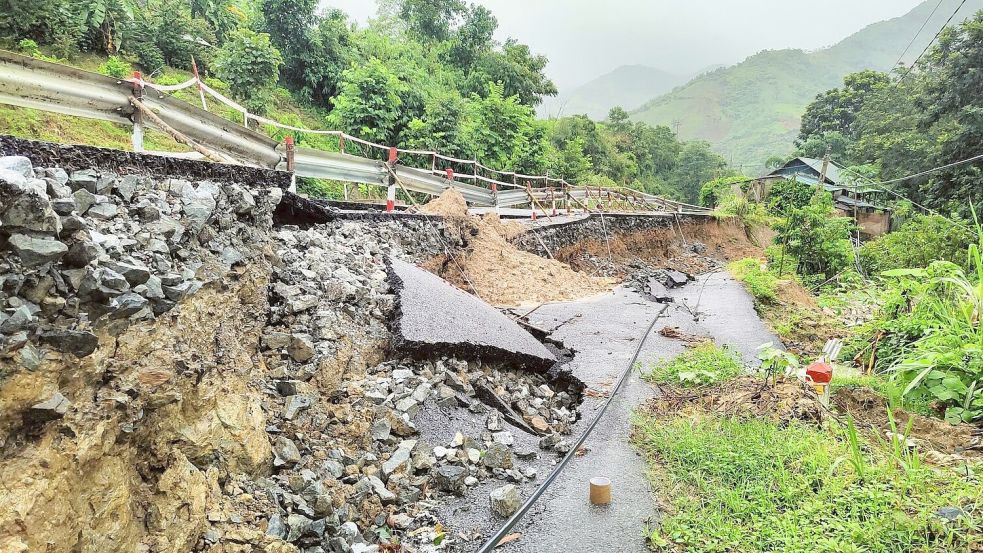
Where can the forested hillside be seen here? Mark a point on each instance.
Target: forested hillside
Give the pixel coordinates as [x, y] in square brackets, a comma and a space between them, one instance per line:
[423, 74]
[890, 126]
[751, 110]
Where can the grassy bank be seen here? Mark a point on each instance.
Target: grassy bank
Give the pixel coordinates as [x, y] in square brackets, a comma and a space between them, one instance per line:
[743, 466]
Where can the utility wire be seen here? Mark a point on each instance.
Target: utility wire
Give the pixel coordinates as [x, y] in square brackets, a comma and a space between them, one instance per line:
[920, 29]
[495, 539]
[931, 42]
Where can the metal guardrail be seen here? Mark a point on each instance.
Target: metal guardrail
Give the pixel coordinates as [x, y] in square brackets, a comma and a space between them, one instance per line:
[52, 87]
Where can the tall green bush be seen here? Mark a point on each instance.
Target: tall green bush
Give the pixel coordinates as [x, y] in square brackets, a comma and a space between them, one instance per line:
[817, 237]
[921, 240]
[250, 65]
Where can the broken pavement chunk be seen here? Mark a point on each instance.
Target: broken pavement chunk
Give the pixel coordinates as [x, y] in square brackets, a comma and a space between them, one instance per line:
[434, 318]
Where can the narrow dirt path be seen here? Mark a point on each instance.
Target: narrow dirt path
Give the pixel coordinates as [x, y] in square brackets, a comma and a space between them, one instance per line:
[604, 331]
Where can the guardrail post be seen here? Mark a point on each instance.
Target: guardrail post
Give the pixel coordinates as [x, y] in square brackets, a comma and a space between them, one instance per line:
[553, 200]
[391, 192]
[494, 186]
[291, 161]
[137, 136]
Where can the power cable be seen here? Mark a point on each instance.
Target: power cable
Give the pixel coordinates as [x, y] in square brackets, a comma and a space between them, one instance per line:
[493, 542]
[920, 29]
[930, 43]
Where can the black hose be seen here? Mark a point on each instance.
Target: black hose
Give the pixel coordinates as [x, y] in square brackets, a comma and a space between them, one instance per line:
[492, 543]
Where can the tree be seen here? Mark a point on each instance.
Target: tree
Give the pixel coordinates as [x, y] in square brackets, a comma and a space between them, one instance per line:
[954, 103]
[697, 164]
[817, 237]
[714, 192]
[498, 129]
[835, 111]
[431, 20]
[108, 19]
[331, 49]
[474, 38]
[223, 16]
[787, 195]
[250, 64]
[164, 32]
[289, 24]
[368, 104]
[519, 72]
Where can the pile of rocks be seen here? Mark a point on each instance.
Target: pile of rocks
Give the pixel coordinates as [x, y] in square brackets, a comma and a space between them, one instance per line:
[350, 464]
[95, 249]
[654, 283]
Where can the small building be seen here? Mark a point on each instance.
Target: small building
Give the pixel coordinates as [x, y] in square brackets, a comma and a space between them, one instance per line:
[851, 197]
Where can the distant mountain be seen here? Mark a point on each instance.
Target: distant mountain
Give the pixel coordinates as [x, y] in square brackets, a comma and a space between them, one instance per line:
[628, 86]
[752, 110]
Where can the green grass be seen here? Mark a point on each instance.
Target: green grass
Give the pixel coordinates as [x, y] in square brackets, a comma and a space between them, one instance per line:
[759, 282]
[755, 486]
[704, 364]
[53, 127]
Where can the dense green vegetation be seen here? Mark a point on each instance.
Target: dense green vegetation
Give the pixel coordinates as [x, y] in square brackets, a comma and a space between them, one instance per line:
[751, 110]
[905, 123]
[423, 74]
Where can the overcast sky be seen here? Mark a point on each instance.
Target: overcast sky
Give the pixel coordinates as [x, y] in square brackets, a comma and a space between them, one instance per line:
[586, 38]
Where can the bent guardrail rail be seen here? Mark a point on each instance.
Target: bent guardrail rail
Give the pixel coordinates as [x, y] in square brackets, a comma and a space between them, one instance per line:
[37, 84]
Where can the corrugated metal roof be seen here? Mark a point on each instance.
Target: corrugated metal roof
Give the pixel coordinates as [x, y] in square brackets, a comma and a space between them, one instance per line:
[834, 172]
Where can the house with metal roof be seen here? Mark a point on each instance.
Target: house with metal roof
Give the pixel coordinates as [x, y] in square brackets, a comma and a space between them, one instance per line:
[851, 196]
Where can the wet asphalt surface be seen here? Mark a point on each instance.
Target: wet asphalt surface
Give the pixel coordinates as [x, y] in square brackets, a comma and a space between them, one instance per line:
[604, 331]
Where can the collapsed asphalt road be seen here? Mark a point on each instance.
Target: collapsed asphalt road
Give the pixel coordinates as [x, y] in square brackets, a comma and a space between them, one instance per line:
[604, 331]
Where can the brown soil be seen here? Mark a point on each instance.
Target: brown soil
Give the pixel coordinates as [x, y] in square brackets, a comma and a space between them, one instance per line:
[870, 409]
[799, 321]
[725, 240]
[497, 271]
[744, 398]
[749, 397]
[448, 204]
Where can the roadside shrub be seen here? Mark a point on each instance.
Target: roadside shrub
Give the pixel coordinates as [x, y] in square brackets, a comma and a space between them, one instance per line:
[714, 192]
[28, 47]
[704, 364]
[760, 282]
[787, 195]
[750, 214]
[250, 65]
[116, 67]
[919, 241]
[936, 339]
[817, 237]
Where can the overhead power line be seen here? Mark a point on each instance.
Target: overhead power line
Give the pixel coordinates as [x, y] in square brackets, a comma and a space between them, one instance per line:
[931, 42]
[920, 29]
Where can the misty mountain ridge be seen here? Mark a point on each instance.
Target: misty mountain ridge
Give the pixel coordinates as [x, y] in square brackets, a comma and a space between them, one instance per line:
[628, 86]
[753, 109]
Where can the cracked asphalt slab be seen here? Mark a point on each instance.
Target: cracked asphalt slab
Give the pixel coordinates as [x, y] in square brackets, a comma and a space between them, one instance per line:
[434, 317]
[604, 331]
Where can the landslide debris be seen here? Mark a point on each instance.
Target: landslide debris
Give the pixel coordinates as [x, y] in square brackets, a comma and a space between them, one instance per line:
[129, 310]
[498, 271]
[178, 375]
